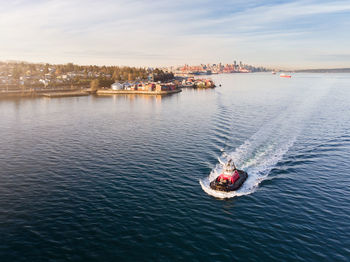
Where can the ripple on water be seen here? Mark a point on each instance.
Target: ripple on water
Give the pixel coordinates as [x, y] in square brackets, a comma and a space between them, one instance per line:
[118, 178]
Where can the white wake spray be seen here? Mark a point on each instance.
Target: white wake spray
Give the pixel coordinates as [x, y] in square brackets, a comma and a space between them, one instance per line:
[261, 153]
[257, 161]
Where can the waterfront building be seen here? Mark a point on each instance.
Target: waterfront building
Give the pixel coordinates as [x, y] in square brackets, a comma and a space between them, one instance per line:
[117, 86]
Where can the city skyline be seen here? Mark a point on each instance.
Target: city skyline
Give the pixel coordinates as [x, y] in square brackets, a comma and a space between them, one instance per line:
[290, 34]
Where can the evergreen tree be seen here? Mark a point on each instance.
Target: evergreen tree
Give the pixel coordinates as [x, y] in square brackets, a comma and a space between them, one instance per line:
[94, 84]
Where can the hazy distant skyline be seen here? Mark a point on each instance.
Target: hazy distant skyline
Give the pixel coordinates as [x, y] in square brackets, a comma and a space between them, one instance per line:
[294, 34]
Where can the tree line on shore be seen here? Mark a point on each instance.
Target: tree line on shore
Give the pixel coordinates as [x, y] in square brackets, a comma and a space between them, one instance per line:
[72, 74]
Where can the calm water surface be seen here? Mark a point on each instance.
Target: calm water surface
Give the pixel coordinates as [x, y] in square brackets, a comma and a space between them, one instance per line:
[125, 178]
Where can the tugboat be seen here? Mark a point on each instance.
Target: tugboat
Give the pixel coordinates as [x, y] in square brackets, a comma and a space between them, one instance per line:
[230, 180]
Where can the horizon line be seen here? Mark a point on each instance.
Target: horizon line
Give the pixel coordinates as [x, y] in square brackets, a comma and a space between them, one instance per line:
[269, 67]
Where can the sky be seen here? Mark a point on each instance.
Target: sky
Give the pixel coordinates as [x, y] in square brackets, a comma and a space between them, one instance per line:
[280, 34]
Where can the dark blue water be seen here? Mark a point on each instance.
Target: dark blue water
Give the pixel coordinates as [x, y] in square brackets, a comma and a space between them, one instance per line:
[124, 178]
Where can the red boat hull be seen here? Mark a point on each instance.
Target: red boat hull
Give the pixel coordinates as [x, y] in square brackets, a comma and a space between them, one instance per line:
[215, 185]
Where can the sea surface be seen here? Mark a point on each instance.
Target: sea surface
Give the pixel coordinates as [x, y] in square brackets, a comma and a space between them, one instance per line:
[125, 178]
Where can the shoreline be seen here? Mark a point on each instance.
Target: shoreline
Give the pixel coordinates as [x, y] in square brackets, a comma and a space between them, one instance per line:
[133, 92]
[78, 92]
[42, 93]
[65, 94]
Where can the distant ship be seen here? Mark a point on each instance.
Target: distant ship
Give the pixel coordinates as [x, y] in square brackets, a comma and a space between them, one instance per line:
[284, 75]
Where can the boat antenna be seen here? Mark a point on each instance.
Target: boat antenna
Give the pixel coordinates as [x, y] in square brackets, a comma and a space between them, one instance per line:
[234, 166]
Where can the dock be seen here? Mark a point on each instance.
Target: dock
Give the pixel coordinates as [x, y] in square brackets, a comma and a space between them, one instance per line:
[135, 92]
[65, 94]
[44, 92]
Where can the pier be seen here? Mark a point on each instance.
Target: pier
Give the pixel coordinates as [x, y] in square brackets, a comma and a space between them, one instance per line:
[122, 92]
[65, 94]
[44, 92]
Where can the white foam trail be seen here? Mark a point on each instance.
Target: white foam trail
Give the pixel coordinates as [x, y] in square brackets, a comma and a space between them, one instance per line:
[257, 156]
[261, 153]
[258, 166]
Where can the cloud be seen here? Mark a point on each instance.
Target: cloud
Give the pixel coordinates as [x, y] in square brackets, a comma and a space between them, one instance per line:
[168, 32]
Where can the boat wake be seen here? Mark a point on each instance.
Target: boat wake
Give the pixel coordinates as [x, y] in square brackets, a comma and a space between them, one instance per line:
[256, 161]
[258, 155]
[262, 152]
